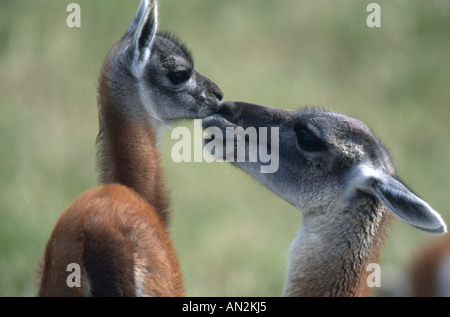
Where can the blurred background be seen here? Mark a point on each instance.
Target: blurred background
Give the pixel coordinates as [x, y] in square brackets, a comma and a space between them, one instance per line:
[231, 234]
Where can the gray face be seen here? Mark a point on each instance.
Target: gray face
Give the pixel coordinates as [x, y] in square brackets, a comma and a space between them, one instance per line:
[327, 163]
[172, 85]
[155, 74]
[336, 172]
[317, 150]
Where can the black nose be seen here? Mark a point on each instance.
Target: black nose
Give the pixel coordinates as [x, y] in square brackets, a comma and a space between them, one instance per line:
[227, 111]
[218, 93]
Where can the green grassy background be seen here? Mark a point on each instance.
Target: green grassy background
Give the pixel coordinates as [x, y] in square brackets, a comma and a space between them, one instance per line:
[231, 234]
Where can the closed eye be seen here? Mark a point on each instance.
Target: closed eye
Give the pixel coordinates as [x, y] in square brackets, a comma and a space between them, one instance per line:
[307, 141]
[178, 78]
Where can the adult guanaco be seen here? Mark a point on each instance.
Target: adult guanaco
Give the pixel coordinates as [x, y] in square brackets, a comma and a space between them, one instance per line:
[333, 169]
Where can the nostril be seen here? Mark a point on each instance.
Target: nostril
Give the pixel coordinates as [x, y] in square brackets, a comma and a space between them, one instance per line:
[225, 111]
[218, 94]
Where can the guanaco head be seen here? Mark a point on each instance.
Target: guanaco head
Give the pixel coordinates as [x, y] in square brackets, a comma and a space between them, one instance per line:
[327, 162]
[155, 73]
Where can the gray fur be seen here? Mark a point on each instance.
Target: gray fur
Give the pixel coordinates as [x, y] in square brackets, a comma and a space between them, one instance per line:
[138, 68]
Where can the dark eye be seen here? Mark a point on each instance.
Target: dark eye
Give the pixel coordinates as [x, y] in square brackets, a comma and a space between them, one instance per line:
[177, 78]
[307, 141]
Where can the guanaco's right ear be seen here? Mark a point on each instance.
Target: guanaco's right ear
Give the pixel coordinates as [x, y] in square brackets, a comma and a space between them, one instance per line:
[143, 27]
[401, 201]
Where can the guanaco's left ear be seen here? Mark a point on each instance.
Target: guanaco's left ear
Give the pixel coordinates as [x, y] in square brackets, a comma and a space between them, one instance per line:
[401, 201]
[144, 26]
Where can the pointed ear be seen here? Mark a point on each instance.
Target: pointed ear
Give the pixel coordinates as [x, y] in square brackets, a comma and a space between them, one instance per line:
[137, 16]
[401, 201]
[144, 26]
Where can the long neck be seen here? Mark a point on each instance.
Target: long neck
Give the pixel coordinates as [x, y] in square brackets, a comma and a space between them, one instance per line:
[127, 146]
[331, 259]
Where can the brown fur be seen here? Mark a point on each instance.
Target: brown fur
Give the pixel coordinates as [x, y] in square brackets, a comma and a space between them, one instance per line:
[109, 231]
[424, 270]
[127, 148]
[117, 232]
[363, 289]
